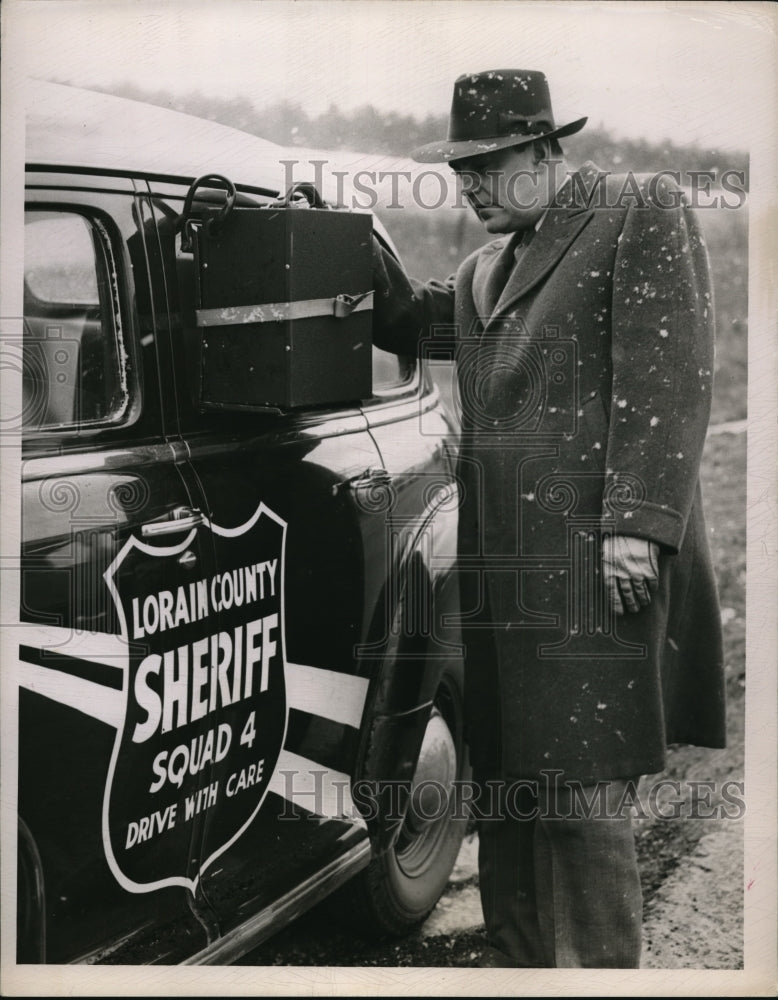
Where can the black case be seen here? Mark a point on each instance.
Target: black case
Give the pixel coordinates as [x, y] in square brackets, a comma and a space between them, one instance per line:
[263, 256]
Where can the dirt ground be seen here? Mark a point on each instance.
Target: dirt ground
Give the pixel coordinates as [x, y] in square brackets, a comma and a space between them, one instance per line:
[692, 880]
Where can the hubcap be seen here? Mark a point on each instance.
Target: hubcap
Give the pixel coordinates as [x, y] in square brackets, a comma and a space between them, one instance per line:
[430, 803]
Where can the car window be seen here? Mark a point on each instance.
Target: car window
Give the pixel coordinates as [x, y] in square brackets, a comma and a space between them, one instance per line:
[73, 360]
[390, 371]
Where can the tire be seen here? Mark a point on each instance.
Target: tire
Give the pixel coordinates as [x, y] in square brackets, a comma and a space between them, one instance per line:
[399, 889]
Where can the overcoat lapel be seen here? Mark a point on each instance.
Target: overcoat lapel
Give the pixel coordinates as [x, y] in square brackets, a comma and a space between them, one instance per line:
[490, 275]
[560, 227]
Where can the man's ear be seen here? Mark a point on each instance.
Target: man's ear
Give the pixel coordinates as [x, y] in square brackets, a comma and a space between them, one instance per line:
[541, 150]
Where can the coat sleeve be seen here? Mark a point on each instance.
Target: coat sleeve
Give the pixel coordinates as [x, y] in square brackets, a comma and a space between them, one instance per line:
[406, 310]
[662, 354]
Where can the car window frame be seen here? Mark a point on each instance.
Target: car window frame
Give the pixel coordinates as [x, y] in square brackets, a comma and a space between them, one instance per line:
[61, 192]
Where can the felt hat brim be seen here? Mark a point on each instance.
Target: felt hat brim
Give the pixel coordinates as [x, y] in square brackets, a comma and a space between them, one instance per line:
[445, 151]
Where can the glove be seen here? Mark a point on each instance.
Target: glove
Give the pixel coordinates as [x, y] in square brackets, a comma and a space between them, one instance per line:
[630, 569]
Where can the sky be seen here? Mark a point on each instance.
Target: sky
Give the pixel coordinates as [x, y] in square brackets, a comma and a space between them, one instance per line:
[688, 72]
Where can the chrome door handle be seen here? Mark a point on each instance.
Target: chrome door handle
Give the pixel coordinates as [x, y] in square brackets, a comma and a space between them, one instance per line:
[180, 519]
[370, 477]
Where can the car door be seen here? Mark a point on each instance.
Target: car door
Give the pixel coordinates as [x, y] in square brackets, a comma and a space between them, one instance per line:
[105, 845]
[296, 502]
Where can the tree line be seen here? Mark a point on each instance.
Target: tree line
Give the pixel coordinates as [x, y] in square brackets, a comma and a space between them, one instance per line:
[368, 130]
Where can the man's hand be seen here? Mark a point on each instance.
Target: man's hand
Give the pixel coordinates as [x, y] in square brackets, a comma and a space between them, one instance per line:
[631, 569]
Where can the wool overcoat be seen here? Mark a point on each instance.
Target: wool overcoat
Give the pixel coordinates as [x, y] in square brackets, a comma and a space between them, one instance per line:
[584, 375]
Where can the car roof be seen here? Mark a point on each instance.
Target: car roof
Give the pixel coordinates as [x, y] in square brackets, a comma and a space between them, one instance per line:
[75, 128]
[86, 130]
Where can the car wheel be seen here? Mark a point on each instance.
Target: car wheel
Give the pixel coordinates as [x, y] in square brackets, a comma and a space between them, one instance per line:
[400, 887]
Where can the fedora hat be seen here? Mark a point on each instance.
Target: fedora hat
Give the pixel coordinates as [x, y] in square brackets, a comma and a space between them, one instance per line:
[495, 109]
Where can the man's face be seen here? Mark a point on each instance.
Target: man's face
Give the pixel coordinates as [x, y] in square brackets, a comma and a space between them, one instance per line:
[507, 189]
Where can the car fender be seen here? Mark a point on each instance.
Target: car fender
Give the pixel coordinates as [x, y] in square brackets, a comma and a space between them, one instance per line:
[415, 633]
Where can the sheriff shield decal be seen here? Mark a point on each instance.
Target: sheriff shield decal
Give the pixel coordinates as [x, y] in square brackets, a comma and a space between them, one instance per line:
[205, 703]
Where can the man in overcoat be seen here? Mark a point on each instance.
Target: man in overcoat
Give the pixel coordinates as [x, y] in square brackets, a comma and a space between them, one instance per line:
[583, 340]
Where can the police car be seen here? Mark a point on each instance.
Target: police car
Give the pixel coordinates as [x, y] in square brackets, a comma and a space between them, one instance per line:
[239, 669]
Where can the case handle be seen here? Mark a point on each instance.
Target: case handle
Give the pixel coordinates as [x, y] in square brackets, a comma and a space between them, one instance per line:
[305, 188]
[214, 222]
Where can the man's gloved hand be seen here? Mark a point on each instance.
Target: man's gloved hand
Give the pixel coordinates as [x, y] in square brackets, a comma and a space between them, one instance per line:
[631, 569]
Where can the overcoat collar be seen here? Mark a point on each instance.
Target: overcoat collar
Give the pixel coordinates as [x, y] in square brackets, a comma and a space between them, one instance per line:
[565, 219]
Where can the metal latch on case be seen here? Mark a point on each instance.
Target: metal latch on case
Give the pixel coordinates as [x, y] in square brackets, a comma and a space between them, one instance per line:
[344, 305]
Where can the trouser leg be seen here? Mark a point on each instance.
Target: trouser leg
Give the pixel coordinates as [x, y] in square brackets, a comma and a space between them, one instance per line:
[507, 886]
[588, 886]
[561, 892]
